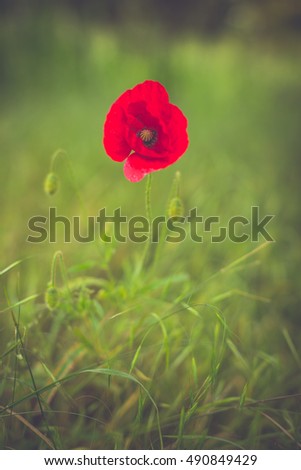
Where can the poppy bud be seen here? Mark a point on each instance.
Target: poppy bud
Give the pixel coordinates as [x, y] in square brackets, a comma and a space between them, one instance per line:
[52, 297]
[51, 184]
[175, 208]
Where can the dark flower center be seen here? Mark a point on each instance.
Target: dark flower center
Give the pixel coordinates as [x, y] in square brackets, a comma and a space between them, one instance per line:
[148, 136]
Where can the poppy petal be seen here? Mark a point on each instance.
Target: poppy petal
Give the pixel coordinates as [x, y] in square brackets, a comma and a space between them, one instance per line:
[151, 92]
[137, 166]
[177, 130]
[114, 140]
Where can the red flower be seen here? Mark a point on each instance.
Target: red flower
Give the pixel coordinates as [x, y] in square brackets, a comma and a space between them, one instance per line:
[145, 129]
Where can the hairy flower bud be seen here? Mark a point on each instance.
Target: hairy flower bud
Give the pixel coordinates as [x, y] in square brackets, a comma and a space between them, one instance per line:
[51, 184]
[175, 208]
[52, 297]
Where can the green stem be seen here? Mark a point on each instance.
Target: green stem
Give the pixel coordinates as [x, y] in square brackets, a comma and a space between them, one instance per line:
[56, 154]
[148, 204]
[148, 248]
[58, 257]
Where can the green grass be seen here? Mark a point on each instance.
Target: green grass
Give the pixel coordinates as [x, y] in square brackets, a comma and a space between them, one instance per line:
[199, 351]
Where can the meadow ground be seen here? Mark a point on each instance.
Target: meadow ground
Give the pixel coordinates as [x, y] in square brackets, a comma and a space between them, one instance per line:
[202, 348]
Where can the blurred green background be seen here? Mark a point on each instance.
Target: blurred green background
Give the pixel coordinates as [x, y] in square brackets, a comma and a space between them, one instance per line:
[234, 69]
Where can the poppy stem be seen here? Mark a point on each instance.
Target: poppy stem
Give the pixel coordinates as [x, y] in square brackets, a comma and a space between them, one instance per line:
[148, 248]
[148, 204]
[58, 258]
[55, 155]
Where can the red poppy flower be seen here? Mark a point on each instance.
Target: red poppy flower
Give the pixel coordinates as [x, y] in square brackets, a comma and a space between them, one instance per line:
[145, 129]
